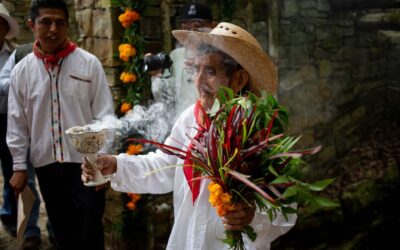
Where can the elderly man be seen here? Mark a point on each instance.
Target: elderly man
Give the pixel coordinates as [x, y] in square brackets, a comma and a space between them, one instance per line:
[227, 56]
[56, 87]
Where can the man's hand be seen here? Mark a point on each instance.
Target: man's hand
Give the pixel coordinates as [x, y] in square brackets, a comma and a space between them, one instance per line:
[18, 181]
[107, 164]
[241, 216]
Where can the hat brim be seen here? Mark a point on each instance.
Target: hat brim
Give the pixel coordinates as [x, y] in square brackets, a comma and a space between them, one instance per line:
[14, 27]
[256, 62]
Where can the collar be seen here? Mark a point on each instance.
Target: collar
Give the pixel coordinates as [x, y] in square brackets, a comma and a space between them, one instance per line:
[51, 60]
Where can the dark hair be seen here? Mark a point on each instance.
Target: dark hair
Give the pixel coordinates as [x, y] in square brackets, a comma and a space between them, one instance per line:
[53, 4]
[229, 63]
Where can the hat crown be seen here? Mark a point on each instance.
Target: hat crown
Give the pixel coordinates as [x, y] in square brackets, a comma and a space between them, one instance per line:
[14, 28]
[3, 10]
[228, 29]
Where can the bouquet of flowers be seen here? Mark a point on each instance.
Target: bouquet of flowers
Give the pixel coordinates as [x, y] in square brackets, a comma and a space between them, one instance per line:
[243, 150]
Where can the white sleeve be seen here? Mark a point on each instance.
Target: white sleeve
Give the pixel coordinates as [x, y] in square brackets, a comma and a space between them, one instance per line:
[155, 171]
[102, 103]
[17, 125]
[5, 75]
[267, 231]
[144, 173]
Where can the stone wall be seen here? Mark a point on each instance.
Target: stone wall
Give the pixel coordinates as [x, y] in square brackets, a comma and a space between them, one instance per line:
[334, 72]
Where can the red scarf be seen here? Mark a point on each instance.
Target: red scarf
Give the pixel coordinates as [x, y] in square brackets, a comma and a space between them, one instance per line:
[192, 175]
[51, 60]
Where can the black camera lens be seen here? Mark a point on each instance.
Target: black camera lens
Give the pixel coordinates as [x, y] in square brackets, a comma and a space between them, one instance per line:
[157, 62]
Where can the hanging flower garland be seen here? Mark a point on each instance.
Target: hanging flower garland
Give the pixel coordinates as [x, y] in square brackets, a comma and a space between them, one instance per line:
[131, 53]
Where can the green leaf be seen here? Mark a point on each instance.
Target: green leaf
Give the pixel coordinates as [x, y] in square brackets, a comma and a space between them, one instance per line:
[320, 185]
[250, 232]
[288, 210]
[290, 191]
[280, 180]
[325, 202]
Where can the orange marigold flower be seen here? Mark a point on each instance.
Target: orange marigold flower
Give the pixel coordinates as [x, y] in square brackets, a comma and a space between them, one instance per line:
[134, 149]
[127, 77]
[219, 199]
[128, 17]
[131, 205]
[126, 51]
[134, 197]
[125, 107]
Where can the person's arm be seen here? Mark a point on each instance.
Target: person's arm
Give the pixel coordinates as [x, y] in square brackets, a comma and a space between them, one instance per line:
[17, 124]
[5, 75]
[17, 134]
[102, 103]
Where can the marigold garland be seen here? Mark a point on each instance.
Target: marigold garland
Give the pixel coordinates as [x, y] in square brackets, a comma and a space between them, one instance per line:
[125, 107]
[127, 77]
[126, 51]
[128, 17]
[131, 53]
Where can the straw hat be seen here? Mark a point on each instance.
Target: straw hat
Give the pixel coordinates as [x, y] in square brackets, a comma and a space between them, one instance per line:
[14, 28]
[241, 46]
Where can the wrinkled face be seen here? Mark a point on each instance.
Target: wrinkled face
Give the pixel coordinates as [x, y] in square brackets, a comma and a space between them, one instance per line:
[4, 28]
[209, 75]
[50, 28]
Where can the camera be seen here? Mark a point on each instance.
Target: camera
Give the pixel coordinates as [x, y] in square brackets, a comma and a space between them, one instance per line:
[156, 62]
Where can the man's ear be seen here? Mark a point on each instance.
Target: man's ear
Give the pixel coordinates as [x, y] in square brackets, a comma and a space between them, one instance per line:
[239, 79]
[31, 24]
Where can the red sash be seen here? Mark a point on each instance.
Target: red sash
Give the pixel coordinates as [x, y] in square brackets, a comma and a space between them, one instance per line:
[191, 173]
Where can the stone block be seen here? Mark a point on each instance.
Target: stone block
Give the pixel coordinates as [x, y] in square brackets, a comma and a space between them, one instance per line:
[101, 23]
[82, 4]
[323, 5]
[307, 139]
[308, 4]
[84, 22]
[327, 153]
[342, 122]
[290, 9]
[306, 73]
[103, 4]
[112, 75]
[103, 49]
[325, 68]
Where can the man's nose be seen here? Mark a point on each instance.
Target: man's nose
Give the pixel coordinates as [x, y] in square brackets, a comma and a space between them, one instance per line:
[198, 76]
[53, 27]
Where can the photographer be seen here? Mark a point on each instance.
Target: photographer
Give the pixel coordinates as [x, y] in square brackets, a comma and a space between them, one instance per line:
[176, 88]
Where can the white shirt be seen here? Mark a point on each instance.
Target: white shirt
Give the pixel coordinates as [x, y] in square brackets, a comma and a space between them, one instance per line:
[196, 227]
[4, 56]
[43, 104]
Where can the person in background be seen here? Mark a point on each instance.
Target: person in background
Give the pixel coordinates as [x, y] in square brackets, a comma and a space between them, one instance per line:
[56, 87]
[32, 233]
[227, 56]
[8, 214]
[178, 85]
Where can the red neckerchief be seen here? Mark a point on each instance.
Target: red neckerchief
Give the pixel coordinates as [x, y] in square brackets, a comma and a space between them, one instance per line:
[191, 173]
[51, 60]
